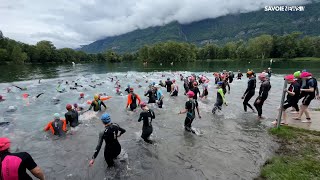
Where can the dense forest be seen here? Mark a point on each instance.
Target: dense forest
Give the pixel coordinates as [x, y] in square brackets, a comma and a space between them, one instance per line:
[265, 46]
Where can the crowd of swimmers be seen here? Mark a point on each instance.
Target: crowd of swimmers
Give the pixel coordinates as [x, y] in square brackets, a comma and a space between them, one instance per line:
[302, 85]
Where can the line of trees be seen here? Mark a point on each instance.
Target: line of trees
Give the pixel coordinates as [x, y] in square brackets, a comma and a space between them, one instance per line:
[265, 46]
[45, 52]
[261, 47]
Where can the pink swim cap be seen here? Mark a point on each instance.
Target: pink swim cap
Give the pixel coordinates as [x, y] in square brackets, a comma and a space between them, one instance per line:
[289, 77]
[305, 74]
[4, 144]
[190, 94]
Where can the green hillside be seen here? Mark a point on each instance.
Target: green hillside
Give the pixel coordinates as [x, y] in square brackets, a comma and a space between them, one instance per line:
[218, 30]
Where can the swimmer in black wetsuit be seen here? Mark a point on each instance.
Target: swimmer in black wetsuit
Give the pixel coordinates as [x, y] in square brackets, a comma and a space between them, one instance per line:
[263, 94]
[151, 93]
[293, 93]
[128, 89]
[190, 107]
[310, 92]
[110, 136]
[196, 91]
[250, 91]
[147, 115]
[71, 116]
[168, 85]
[239, 75]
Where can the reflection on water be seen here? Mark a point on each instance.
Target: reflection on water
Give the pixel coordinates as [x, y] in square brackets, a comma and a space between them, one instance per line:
[26, 72]
[233, 145]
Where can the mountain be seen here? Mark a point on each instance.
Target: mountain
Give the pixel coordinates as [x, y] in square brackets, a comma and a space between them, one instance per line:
[218, 30]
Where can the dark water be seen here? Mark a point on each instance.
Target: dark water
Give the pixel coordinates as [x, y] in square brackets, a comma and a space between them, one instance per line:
[234, 145]
[10, 73]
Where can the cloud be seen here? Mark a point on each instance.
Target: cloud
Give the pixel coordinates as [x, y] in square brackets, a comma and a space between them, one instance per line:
[78, 22]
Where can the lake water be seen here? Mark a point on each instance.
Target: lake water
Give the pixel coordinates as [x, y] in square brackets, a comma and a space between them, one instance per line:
[234, 145]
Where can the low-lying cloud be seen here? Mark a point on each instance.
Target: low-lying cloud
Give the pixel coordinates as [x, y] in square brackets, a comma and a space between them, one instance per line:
[78, 22]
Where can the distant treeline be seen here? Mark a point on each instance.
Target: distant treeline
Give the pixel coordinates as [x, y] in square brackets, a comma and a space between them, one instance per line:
[261, 47]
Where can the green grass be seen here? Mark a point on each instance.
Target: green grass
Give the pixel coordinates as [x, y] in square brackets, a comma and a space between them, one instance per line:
[298, 157]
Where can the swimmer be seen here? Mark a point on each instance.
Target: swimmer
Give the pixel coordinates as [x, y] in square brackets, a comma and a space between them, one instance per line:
[96, 104]
[293, 93]
[310, 92]
[16, 164]
[110, 136]
[159, 96]
[263, 94]
[58, 126]
[132, 100]
[239, 75]
[250, 91]
[128, 89]
[22, 89]
[196, 91]
[151, 94]
[220, 98]
[190, 110]
[174, 88]
[72, 116]
[168, 85]
[147, 115]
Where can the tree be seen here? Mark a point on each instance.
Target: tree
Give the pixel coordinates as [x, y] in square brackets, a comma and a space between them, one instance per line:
[18, 56]
[45, 49]
[3, 56]
[261, 47]
[1, 35]
[111, 56]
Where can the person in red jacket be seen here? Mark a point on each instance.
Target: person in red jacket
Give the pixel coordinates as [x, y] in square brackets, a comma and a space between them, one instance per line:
[57, 126]
[132, 100]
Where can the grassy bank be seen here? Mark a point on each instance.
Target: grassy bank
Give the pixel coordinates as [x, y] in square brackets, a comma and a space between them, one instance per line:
[297, 158]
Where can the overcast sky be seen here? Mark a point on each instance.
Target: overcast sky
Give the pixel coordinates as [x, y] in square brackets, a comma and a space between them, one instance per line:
[71, 23]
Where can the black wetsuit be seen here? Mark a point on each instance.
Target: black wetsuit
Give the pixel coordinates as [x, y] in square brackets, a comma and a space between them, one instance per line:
[146, 117]
[27, 162]
[190, 85]
[263, 95]
[196, 91]
[231, 76]
[127, 90]
[58, 127]
[269, 73]
[168, 85]
[292, 101]
[97, 105]
[224, 87]
[190, 106]
[309, 96]
[72, 118]
[133, 105]
[152, 96]
[240, 75]
[113, 147]
[249, 93]
[186, 86]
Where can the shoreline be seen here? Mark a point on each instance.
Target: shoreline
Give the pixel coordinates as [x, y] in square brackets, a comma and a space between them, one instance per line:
[298, 155]
[297, 59]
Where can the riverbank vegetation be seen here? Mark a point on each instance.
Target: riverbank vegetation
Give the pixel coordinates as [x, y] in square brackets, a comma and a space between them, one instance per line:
[298, 156]
[291, 46]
